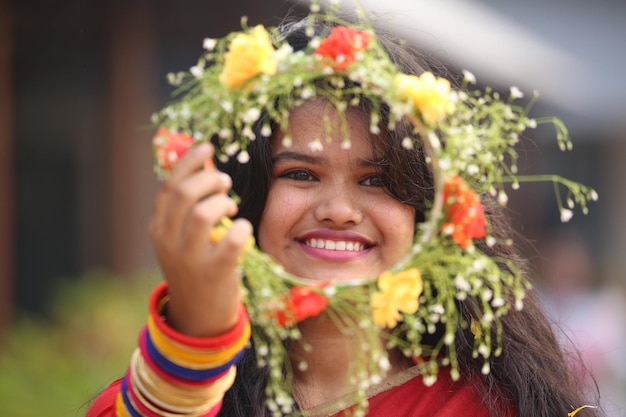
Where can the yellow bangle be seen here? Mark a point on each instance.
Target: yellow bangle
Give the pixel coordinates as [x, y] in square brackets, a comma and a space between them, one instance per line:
[195, 359]
[120, 408]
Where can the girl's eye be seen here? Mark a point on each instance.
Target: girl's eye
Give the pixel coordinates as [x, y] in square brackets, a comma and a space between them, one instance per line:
[298, 175]
[373, 181]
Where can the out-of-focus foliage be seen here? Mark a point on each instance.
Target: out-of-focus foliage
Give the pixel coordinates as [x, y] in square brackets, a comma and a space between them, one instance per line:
[55, 367]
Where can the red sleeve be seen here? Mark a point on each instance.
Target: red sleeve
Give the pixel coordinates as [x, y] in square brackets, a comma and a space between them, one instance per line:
[104, 404]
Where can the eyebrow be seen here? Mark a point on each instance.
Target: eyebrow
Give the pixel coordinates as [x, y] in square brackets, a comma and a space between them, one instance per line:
[314, 160]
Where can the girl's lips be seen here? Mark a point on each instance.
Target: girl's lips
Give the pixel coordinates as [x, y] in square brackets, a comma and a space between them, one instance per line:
[335, 245]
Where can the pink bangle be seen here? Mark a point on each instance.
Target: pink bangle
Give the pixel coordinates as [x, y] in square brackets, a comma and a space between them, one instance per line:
[216, 409]
[222, 341]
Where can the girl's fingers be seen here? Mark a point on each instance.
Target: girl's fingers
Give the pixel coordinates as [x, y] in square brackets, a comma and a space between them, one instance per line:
[183, 200]
[192, 161]
[174, 205]
[203, 217]
[230, 248]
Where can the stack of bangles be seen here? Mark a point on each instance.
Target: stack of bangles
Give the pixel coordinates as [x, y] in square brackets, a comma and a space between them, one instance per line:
[172, 374]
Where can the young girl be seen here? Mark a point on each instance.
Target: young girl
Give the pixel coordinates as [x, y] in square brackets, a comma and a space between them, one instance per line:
[379, 291]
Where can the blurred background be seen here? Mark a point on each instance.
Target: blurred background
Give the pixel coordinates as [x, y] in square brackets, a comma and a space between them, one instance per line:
[80, 78]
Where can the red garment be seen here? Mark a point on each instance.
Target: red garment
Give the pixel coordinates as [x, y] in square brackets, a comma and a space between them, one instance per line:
[104, 405]
[445, 398]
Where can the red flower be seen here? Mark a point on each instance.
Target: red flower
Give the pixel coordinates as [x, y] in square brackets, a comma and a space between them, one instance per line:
[302, 303]
[343, 45]
[170, 146]
[464, 212]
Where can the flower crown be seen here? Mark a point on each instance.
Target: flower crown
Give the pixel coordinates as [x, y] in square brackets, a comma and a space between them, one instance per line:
[469, 137]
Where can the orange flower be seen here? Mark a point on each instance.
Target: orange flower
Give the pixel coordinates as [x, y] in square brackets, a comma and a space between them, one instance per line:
[302, 303]
[464, 211]
[342, 46]
[170, 146]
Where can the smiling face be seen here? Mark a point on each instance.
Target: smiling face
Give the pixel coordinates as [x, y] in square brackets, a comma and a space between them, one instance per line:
[327, 215]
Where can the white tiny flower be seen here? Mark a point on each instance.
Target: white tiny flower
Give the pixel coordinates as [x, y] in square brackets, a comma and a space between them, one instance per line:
[346, 144]
[315, 7]
[472, 169]
[486, 368]
[384, 364]
[566, 215]
[243, 157]
[303, 366]
[444, 164]
[227, 106]
[231, 149]
[594, 195]
[307, 93]
[570, 203]
[287, 142]
[483, 350]
[515, 185]
[469, 77]
[461, 283]
[225, 133]
[448, 339]
[497, 302]
[209, 44]
[407, 143]
[316, 146]
[502, 198]
[330, 291]
[196, 71]
[516, 92]
[251, 115]
[266, 131]
[491, 241]
[532, 123]
[248, 132]
[376, 379]
[438, 309]
[429, 380]
[262, 350]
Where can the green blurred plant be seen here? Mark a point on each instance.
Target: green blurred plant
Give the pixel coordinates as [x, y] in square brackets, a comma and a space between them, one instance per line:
[54, 367]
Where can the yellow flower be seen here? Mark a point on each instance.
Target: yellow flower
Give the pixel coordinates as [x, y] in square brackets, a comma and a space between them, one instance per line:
[397, 293]
[220, 230]
[249, 55]
[429, 94]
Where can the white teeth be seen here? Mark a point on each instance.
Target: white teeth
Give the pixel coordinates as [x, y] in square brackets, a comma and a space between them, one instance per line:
[335, 245]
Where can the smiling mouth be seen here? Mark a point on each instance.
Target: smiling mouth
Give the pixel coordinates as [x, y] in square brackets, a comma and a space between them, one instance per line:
[336, 245]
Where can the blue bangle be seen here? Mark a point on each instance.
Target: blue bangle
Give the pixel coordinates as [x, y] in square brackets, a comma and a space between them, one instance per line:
[186, 373]
[131, 410]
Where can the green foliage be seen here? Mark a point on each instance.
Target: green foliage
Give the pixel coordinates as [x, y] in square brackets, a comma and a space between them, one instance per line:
[54, 367]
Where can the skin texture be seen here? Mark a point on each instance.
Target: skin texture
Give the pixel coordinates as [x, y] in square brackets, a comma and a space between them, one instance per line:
[333, 195]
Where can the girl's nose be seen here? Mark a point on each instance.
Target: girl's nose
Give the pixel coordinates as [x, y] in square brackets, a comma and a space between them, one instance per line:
[339, 207]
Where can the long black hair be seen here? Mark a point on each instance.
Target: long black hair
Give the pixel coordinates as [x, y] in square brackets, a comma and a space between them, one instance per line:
[530, 376]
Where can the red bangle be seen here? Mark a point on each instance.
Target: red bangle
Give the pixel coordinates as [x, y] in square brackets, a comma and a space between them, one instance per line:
[222, 341]
[169, 377]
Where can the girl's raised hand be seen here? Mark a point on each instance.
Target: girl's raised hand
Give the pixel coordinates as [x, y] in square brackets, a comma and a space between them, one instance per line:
[202, 275]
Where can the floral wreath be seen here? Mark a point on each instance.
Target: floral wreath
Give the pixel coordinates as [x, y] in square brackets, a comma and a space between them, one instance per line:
[469, 137]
